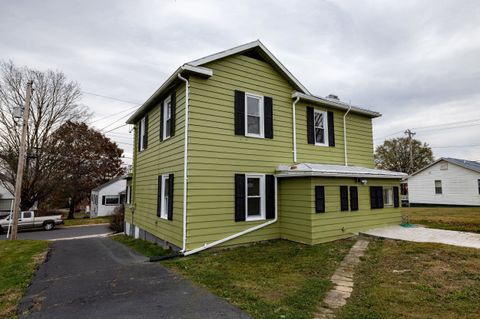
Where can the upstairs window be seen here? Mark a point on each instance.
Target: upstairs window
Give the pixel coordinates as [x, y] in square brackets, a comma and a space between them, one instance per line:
[253, 115]
[321, 128]
[438, 187]
[143, 133]
[167, 117]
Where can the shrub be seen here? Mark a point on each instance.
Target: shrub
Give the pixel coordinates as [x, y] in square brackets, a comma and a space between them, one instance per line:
[118, 219]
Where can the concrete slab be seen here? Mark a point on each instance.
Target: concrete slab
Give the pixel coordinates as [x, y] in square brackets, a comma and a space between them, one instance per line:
[427, 235]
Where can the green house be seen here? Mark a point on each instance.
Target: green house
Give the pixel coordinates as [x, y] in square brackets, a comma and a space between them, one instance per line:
[233, 149]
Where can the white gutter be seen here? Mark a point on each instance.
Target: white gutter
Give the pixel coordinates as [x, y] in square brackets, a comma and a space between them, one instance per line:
[246, 231]
[185, 163]
[345, 134]
[294, 119]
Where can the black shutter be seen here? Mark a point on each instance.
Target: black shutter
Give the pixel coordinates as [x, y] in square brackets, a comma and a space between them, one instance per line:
[145, 137]
[379, 197]
[170, 197]
[353, 198]
[161, 121]
[268, 113]
[396, 199]
[173, 111]
[343, 198]
[103, 200]
[310, 125]
[331, 129]
[239, 197]
[139, 133]
[270, 196]
[373, 197]
[159, 196]
[239, 113]
[319, 199]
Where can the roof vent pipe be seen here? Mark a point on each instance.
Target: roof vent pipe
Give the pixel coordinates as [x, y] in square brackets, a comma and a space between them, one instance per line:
[333, 97]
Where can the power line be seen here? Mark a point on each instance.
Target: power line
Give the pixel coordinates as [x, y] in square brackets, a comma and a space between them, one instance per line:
[108, 116]
[111, 98]
[436, 127]
[455, 146]
[117, 120]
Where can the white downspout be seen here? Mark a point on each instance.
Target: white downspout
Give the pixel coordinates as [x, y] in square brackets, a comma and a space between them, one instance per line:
[185, 163]
[246, 231]
[345, 133]
[294, 119]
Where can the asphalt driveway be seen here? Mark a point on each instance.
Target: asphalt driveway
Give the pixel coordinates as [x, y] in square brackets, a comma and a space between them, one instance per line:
[63, 233]
[100, 278]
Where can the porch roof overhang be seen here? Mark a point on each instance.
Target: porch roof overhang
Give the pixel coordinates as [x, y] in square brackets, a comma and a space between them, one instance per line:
[327, 170]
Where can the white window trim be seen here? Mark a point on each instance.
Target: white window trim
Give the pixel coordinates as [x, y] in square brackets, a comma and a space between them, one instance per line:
[262, 197]
[129, 191]
[165, 113]
[391, 197]
[164, 207]
[262, 115]
[112, 196]
[325, 128]
[435, 187]
[142, 133]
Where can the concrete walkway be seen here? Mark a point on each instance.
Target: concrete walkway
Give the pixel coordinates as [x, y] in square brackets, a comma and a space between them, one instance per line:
[343, 280]
[427, 235]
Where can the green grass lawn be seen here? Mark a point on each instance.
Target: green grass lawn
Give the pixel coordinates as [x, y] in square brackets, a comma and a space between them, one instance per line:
[81, 220]
[142, 246]
[18, 261]
[415, 280]
[451, 218]
[276, 279]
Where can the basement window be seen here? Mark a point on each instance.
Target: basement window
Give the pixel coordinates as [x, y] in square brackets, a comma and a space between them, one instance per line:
[255, 199]
[320, 127]
[438, 187]
[254, 118]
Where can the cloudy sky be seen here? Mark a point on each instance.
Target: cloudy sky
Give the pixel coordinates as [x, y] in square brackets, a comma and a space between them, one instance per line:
[416, 62]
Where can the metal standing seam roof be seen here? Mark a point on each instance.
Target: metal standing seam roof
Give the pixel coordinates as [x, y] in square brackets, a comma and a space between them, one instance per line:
[327, 170]
[471, 165]
[195, 67]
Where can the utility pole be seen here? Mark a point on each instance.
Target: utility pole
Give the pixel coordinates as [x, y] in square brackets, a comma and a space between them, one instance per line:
[21, 161]
[410, 135]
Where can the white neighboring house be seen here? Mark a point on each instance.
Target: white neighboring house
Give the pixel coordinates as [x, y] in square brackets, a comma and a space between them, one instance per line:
[105, 198]
[447, 181]
[6, 200]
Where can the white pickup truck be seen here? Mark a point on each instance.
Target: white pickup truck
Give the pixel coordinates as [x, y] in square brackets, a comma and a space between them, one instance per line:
[29, 220]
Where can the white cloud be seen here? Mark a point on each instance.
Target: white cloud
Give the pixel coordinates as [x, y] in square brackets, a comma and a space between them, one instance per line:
[417, 62]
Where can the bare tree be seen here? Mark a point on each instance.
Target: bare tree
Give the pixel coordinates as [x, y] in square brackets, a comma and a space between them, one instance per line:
[55, 101]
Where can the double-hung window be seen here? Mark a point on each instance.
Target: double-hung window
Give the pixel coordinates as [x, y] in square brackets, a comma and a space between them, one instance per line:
[387, 196]
[167, 117]
[438, 187]
[142, 134]
[321, 128]
[255, 197]
[254, 117]
[165, 196]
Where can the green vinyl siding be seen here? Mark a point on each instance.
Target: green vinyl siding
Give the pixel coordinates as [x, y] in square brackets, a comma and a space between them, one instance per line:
[301, 223]
[216, 154]
[160, 158]
[336, 224]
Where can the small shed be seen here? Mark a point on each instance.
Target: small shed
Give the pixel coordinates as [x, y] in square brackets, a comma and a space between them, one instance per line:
[105, 198]
[6, 200]
[447, 181]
